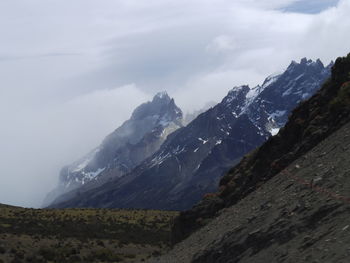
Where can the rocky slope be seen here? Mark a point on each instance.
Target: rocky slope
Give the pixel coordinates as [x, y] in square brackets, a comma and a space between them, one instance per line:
[309, 124]
[192, 159]
[300, 215]
[125, 148]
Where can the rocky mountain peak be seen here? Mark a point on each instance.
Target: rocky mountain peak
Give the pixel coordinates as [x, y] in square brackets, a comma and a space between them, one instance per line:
[161, 106]
[304, 63]
[161, 96]
[135, 140]
[236, 91]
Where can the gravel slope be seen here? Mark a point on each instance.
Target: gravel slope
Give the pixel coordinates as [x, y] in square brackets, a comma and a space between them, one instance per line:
[300, 215]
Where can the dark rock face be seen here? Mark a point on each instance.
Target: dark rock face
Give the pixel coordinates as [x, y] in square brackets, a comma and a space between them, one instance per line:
[310, 123]
[125, 148]
[192, 160]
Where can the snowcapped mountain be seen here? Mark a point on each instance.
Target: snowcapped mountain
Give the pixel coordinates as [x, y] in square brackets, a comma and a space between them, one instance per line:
[130, 144]
[192, 159]
[282, 93]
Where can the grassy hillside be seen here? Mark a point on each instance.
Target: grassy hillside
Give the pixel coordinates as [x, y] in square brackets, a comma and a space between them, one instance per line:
[82, 235]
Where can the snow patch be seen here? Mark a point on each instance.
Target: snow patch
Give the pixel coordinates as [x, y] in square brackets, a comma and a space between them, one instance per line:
[218, 142]
[203, 141]
[91, 175]
[160, 158]
[274, 131]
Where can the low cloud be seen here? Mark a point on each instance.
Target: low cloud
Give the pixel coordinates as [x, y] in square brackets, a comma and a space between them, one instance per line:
[36, 143]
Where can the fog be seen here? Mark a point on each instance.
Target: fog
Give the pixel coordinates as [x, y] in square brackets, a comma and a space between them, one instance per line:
[72, 71]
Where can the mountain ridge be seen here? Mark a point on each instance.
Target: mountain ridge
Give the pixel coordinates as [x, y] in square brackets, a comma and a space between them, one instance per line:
[195, 157]
[310, 123]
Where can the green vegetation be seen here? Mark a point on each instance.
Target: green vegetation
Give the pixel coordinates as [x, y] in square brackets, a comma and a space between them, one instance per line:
[82, 235]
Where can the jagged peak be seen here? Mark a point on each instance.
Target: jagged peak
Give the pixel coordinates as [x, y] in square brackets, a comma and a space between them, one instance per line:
[331, 64]
[162, 95]
[161, 104]
[234, 92]
[318, 61]
[305, 62]
[238, 89]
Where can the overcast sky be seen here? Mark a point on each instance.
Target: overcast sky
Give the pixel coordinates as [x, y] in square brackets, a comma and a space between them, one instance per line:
[72, 71]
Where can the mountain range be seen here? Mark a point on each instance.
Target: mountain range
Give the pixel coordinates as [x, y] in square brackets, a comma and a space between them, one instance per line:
[138, 167]
[286, 201]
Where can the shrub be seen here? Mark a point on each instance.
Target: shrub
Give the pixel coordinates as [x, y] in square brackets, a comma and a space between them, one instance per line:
[75, 259]
[47, 253]
[106, 255]
[2, 250]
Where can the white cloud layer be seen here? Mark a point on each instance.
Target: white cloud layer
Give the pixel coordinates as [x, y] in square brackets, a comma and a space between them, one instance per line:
[72, 71]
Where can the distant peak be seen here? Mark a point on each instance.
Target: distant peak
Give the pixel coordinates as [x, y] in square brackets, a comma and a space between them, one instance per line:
[236, 93]
[331, 64]
[236, 89]
[162, 95]
[306, 63]
[161, 105]
[309, 62]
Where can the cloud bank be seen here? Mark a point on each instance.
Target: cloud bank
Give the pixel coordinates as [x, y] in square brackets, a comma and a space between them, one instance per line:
[71, 72]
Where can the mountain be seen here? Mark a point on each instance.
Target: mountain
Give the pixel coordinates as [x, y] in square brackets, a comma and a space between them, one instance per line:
[192, 160]
[292, 172]
[299, 82]
[125, 148]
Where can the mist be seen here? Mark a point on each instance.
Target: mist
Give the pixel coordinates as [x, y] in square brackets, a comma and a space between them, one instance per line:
[72, 72]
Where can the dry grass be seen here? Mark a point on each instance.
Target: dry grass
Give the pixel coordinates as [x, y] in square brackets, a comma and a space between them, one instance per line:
[82, 235]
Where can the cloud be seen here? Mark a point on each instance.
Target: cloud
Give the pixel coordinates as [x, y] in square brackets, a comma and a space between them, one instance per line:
[67, 68]
[37, 142]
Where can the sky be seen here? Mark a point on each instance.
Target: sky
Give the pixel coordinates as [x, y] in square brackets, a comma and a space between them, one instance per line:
[72, 71]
